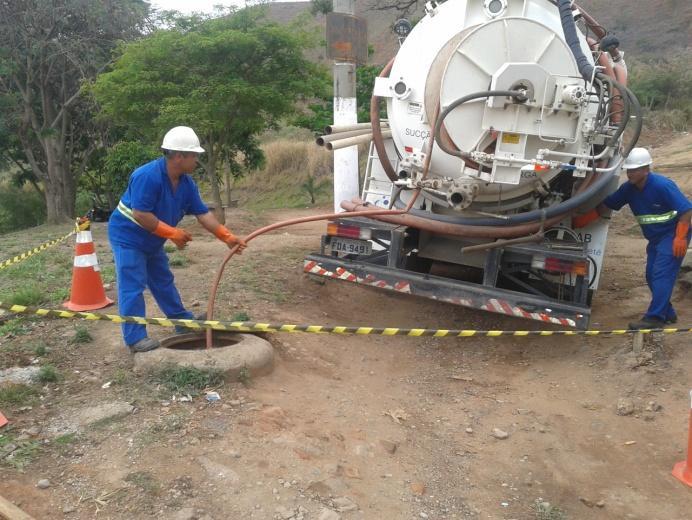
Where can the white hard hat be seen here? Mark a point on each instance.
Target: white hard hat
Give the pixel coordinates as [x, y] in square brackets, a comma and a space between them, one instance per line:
[637, 158]
[181, 139]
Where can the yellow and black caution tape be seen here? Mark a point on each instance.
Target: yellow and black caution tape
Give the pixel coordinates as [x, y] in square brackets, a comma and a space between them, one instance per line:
[251, 326]
[79, 226]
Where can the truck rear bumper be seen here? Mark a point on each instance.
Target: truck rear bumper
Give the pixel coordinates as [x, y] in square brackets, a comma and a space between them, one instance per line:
[457, 292]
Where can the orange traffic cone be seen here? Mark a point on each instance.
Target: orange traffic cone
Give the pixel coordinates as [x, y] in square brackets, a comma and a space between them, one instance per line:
[683, 470]
[87, 291]
[3, 420]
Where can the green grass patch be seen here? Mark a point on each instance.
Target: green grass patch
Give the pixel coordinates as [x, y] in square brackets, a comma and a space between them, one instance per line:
[16, 395]
[108, 273]
[169, 248]
[178, 260]
[40, 349]
[27, 295]
[59, 295]
[48, 374]
[82, 335]
[187, 380]
[121, 377]
[22, 454]
[15, 327]
[65, 440]
[240, 316]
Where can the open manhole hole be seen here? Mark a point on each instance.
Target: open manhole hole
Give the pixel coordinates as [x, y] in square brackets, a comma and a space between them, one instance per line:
[198, 341]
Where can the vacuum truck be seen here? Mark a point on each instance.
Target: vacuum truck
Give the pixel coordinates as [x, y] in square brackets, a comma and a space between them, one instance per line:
[504, 119]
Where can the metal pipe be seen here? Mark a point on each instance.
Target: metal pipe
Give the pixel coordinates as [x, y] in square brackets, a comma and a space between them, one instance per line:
[324, 139]
[536, 237]
[335, 129]
[351, 141]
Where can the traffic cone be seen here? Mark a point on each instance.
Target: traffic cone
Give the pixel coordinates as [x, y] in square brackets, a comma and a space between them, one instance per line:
[3, 420]
[87, 291]
[683, 470]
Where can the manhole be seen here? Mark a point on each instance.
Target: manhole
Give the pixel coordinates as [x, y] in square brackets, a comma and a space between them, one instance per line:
[198, 341]
[232, 353]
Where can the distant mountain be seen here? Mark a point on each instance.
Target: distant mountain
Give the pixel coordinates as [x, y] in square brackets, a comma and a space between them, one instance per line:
[646, 28]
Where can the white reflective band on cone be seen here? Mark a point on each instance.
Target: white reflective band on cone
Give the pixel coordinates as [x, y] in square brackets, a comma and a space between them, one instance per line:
[84, 237]
[86, 261]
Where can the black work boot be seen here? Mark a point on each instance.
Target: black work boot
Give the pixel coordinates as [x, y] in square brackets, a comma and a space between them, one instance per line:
[144, 345]
[647, 323]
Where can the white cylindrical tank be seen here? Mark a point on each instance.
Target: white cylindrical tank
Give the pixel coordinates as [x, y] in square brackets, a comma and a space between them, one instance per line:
[463, 47]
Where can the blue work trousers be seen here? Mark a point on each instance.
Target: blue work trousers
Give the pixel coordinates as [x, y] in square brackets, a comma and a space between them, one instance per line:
[662, 269]
[135, 270]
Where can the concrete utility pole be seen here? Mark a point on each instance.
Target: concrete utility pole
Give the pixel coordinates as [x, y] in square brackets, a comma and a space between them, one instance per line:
[345, 113]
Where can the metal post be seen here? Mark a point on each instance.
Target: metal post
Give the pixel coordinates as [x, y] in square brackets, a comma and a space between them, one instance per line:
[345, 113]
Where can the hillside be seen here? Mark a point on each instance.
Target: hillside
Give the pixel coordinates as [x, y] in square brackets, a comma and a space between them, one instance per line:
[645, 29]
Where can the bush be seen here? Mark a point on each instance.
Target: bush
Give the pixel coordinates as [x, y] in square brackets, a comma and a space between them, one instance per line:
[664, 88]
[47, 374]
[28, 295]
[20, 209]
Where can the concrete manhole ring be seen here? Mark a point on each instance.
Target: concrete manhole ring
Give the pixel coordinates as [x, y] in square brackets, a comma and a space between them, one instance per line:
[232, 353]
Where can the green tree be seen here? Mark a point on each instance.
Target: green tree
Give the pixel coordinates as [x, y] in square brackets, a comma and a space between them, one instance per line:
[320, 112]
[229, 78]
[47, 49]
[109, 172]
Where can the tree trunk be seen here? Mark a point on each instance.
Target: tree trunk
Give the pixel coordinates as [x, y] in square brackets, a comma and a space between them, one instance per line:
[219, 213]
[60, 199]
[59, 184]
[227, 174]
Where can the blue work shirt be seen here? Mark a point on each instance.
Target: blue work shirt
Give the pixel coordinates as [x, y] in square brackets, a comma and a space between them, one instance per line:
[150, 189]
[657, 207]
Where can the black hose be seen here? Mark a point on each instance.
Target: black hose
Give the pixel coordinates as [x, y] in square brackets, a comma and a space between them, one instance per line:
[567, 206]
[518, 95]
[613, 84]
[570, 29]
[534, 215]
[639, 121]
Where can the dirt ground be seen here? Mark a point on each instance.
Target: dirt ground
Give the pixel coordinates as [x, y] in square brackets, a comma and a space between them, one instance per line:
[360, 427]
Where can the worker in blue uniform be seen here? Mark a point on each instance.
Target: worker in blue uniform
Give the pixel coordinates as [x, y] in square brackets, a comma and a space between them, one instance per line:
[157, 197]
[664, 214]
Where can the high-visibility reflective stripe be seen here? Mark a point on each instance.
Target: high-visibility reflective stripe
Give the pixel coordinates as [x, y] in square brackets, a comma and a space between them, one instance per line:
[127, 213]
[84, 237]
[86, 260]
[656, 219]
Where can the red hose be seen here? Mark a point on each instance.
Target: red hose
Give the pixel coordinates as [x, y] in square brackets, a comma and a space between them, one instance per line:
[285, 223]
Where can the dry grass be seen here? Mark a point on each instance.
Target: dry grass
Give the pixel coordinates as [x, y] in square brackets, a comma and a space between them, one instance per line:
[281, 183]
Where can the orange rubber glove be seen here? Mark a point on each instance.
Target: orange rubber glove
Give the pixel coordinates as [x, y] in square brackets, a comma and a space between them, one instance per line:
[223, 234]
[585, 219]
[680, 240]
[179, 237]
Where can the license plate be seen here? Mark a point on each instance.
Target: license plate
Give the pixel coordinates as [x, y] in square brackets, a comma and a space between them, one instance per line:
[350, 246]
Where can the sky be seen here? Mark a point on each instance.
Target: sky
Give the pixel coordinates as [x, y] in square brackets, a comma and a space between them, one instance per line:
[188, 6]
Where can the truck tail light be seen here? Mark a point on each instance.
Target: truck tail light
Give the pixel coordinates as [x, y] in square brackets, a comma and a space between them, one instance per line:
[341, 230]
[559, 265]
